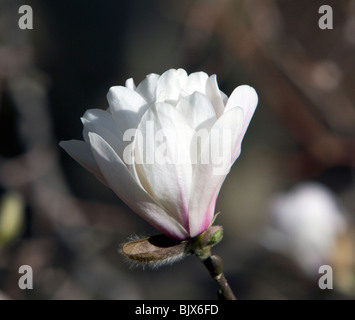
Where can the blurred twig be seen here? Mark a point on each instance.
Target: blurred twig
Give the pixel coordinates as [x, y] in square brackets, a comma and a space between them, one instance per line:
[317, 112]
[37, 175]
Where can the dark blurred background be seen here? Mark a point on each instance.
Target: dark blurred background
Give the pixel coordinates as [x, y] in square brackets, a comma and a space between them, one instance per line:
[57, 218]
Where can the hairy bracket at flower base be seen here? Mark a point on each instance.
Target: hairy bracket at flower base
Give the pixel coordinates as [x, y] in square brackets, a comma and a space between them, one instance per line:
[177, 198]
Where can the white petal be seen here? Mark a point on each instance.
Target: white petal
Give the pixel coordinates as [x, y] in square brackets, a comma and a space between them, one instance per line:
[81, 152]
[147, 88]
[126, 187]
[170, 84]
[208, 177]
[195, 82]
[215, 95]
[166, 164]
[196, 109]
[224, 97]
[244, 97]
[130, 84]
[102, 123]
[126, 106]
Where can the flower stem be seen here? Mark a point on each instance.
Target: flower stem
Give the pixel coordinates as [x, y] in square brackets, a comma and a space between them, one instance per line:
[200, 246]
[214, 265]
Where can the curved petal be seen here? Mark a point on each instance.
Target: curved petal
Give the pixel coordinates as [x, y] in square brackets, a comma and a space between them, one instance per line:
[101, 122]
[196, 109]
[126, 106]
[147, 88]
[208, 177]
[195, 82]
[244, 97]
[215, 95]
[169, 85]
[81, 152]
[126, 187]
[130, 84]
[165, 152]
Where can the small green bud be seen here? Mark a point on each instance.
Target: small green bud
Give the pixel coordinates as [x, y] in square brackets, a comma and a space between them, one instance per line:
[214, 235]
[208, 238]
[201, 245]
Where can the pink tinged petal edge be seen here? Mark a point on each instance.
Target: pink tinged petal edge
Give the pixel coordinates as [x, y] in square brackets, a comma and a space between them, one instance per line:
[210, 210]
[169, 182]
[244, 97]
[128, 190]
[206, 184]
[81, 152]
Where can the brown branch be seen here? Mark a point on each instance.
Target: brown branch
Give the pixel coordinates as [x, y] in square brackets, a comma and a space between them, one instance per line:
[214, 265]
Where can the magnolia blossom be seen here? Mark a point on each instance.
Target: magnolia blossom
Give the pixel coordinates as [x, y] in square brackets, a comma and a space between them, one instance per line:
[305, 225]
[165, 146]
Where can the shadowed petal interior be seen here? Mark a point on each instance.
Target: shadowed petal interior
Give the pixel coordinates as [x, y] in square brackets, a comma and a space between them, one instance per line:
[126, 187]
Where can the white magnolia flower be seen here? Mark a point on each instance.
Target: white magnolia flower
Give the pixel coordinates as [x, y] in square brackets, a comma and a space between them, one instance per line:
[305, 225]
[165, 146]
